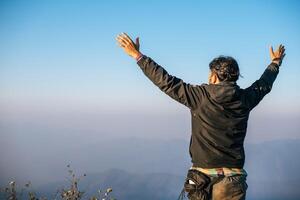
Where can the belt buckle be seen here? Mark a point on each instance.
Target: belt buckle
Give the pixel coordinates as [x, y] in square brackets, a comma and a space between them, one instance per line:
[220, 171]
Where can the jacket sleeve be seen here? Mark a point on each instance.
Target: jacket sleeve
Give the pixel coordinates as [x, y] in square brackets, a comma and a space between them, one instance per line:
[261, 87]
[184, 93]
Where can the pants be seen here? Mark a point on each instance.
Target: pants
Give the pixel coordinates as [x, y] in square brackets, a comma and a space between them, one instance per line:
[220, 188]
[230, 188]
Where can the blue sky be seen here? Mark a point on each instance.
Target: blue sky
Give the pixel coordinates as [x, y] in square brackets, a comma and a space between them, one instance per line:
[60, 58]
[62, 73]
[56, 50]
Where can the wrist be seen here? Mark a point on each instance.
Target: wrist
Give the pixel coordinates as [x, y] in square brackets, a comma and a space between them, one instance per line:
[138, 56]
[276, 61]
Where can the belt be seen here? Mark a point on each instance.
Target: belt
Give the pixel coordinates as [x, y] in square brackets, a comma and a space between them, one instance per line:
[222, 171]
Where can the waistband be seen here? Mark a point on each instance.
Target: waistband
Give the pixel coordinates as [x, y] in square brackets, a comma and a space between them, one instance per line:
[223, 171]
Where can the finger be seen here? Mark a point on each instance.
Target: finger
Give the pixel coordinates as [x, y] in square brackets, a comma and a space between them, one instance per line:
[121, 45]
[271, 51]
[124, 46]
[282, 56]
[282, 49]
[127, 37]
[137, 42]
[126, 40]
[119, 37]
[278, 49]
[122, 40]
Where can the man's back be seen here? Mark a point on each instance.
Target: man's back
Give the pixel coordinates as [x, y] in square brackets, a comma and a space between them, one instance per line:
[219, 113]
[219, 126]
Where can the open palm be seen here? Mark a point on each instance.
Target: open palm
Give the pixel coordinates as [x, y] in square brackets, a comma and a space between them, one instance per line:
[278, 55]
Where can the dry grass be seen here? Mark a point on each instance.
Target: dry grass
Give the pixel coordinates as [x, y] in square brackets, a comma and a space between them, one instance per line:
[71, 192]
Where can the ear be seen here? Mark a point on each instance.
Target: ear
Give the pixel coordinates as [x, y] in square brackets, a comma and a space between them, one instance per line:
[214, 78]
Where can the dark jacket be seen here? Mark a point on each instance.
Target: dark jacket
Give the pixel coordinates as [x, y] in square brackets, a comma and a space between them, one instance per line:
[219, 113]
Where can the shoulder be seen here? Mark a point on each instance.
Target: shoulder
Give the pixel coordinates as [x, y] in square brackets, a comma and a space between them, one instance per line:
[200, 88]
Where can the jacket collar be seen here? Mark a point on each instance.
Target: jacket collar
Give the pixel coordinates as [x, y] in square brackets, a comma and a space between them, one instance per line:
[226, 83]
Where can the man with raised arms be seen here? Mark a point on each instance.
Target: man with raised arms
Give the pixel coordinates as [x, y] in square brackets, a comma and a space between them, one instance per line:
[220, 112]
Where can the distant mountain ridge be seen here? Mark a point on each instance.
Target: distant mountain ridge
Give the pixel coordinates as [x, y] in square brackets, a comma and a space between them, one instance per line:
[272, 168]
[125, 185]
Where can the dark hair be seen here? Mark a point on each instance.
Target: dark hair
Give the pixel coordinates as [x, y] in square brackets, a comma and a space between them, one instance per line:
[226, 68]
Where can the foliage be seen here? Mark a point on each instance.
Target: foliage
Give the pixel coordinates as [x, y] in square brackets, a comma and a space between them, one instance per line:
[72, 192]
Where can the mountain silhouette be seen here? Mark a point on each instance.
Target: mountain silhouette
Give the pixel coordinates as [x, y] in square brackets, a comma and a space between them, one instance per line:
[153, 169]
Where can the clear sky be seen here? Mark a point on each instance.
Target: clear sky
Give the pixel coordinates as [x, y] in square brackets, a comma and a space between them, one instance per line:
[62, 70]
[54, 52]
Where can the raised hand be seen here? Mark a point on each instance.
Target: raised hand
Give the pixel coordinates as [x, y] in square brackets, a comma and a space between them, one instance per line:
[278, 55]
[131, 48]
